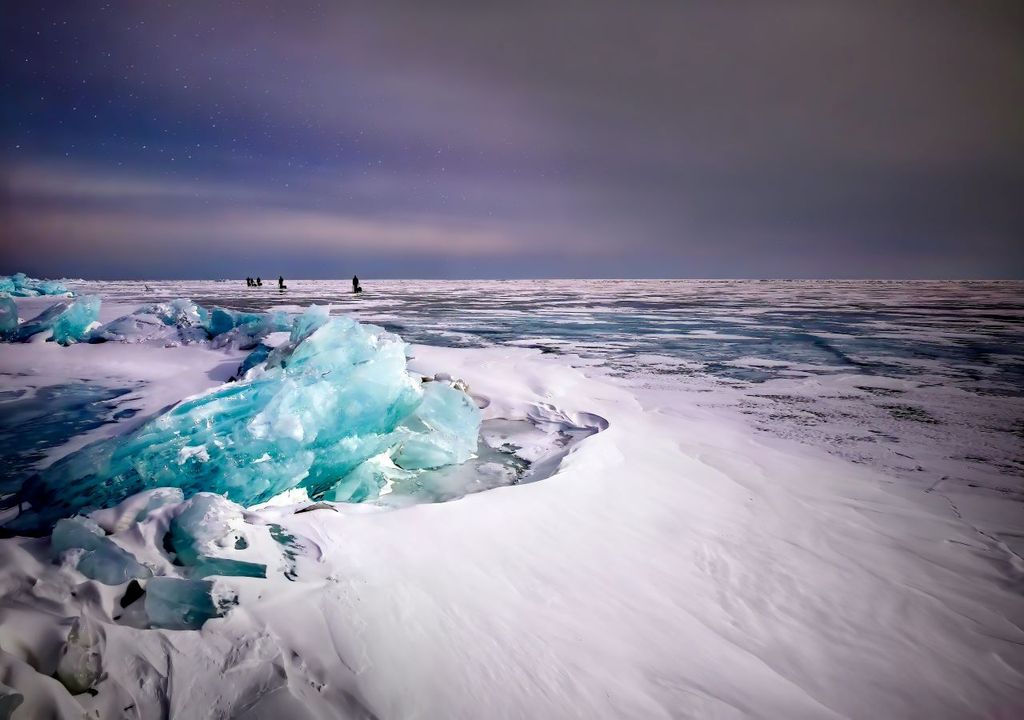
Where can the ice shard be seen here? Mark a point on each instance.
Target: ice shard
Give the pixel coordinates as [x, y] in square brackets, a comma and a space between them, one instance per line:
[101, 558]
[177, 604]
[70, 321]
[73, 325]
[442, 430]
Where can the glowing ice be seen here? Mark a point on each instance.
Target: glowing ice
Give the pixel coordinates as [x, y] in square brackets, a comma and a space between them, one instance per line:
[442, 431]
[102, 559]
[69, 320]
[73, 324]
[336, 394]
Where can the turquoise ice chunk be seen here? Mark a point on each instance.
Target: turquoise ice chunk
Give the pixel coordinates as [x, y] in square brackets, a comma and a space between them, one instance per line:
[333, 396]
[73, 324]
[442, 431]
[8, 318]
[329, 404]
[244, 330]
[221, 321]
[69, 320]
[43, 321]
[103, 560]
[176, 604]
[257, 357]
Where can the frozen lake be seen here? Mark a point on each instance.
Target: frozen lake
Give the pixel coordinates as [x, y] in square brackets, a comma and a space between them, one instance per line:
[924, 380]
[649, 526]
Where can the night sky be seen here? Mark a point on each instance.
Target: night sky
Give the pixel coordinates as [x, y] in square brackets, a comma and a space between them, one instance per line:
[215, 139]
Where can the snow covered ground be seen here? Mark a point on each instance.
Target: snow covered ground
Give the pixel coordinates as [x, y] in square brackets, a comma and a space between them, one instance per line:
[671, 562]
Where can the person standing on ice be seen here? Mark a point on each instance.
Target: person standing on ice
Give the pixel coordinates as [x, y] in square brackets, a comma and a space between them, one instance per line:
[259, 282]
[280, 282]
[355, 284]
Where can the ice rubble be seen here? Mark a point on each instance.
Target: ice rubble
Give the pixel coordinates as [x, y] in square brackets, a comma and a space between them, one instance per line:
[182, 321]
[335, 396]
[186, 542]
[177, 322]
[21, 285]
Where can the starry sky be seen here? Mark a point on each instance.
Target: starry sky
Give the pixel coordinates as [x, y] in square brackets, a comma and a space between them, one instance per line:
[564, 138]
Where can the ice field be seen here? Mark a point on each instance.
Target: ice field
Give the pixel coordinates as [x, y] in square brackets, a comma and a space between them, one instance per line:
[562, 499]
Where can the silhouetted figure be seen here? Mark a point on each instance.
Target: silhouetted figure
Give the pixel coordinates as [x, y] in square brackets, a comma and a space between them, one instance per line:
[259, 282]
[248, 282]
[280, 283]
[355, 284]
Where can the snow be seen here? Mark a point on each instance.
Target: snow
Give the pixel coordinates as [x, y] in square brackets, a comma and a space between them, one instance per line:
[665, 561]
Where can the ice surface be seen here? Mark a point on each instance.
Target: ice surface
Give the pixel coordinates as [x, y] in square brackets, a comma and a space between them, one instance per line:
[335, 395]
[102, 559]
[20, 285]
[368, 480]
[679, 564]
[177, 604]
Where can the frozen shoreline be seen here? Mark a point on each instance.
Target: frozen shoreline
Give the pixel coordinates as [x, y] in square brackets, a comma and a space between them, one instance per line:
[676, 565]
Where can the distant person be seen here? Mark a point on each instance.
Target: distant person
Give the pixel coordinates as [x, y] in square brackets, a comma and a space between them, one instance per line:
[248, 282]
[280, 282]
[259, 282]
[355, 284]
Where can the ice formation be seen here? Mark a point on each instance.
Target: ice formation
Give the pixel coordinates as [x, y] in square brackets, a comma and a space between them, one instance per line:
[73, 324]
[70, 321]
[8, 318]
[98, 556]
[20, 285]
[183, 322]
[334, 396]
[178, 321]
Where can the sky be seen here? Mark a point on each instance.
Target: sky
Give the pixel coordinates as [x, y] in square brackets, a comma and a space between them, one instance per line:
[590, 138]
